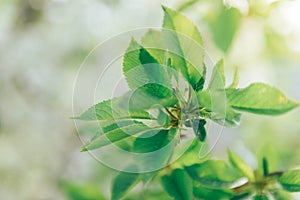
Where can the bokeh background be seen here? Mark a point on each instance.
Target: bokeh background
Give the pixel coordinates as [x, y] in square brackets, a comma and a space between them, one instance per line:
[43, 43]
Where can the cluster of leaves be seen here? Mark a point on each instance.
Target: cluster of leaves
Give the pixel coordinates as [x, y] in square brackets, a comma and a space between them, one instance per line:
[157, 108]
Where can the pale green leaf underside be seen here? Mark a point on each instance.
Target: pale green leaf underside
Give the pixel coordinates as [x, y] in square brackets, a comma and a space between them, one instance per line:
[241, 166]
[260, 98]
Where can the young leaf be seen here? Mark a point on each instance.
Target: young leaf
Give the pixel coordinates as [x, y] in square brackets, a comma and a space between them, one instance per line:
[290, 181]
[122, 183]
[184, 42]
[241, 166]
[112, 110]
[116, 132]
[213, 174]
[260, 98]
[178, 184]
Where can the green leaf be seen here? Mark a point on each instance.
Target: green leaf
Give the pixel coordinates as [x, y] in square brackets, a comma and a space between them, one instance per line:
[235, 81]
[112, 110]
[241, 166]
[178, 184]
[157, 148]
[199, 129]
[185, 46]
[140, 99]
[213, 174]
[190, 156]
[224, 27]
[77, 191]
[260, 98]
[153, 42]
[265, 167]
[116, 132]
[260, 197]
[290, 181]
[281, 195]
[224, 115]
[143, 70]
[207, 193]
[217, 80]
[122, 183]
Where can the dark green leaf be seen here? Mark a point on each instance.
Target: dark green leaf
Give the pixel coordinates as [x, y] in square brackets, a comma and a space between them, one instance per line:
[260, 98]
[241, 166]
[213, 174]
[260, 197]
[265, 167]
[178, 184]
[199, 129]
[122, 183]
[290, 181]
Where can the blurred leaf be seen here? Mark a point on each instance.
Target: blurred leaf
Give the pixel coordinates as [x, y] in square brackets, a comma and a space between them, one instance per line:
[290, 181]
[81, 191]
[213, 174]
[241, 166]
[184, 42]
[260, 98]
[122, 183]
[224, 27]
[178, 184]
